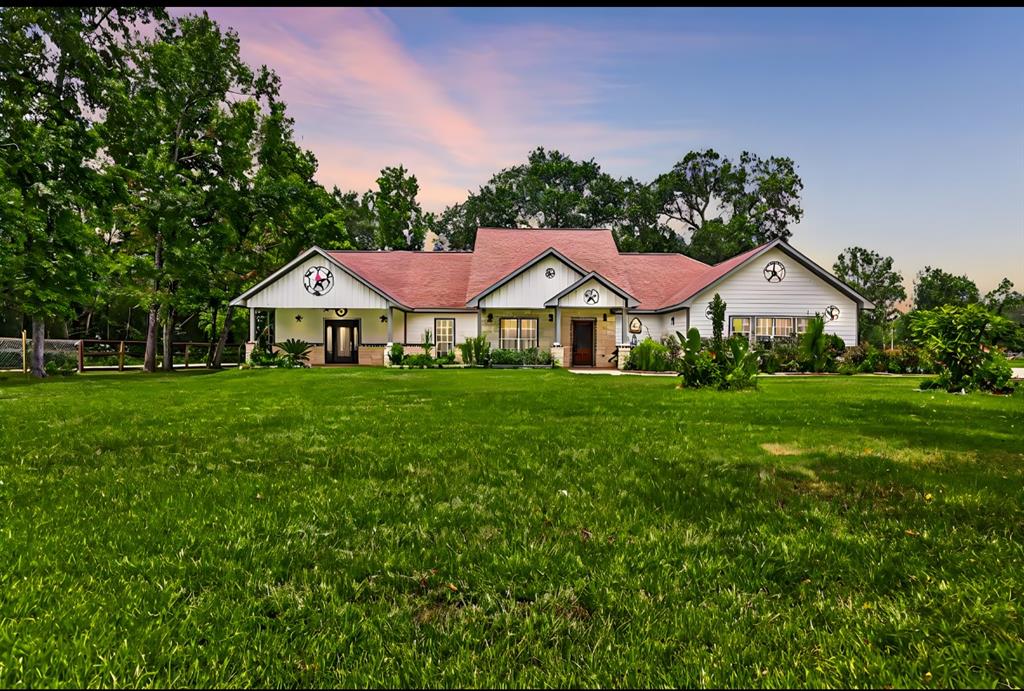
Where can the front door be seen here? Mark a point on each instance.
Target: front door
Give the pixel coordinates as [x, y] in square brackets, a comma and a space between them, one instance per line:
[341, 340]
[583, 342]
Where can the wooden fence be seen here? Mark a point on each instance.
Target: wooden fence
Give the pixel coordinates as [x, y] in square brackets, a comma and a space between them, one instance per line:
[126, 354]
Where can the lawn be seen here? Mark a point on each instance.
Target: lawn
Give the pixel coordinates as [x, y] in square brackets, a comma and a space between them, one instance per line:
[380, 527]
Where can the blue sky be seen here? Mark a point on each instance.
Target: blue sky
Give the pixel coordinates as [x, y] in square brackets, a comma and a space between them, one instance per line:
[907, 125]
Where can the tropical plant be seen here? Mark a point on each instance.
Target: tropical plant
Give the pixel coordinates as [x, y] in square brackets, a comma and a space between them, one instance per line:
[961, 341]
[396, 354]
[739, 370]
[475, 350]
[295, 350]
[814, 344]
[696, 366]
[427, 343]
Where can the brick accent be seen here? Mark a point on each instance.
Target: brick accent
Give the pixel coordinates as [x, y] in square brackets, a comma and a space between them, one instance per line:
[372, 355]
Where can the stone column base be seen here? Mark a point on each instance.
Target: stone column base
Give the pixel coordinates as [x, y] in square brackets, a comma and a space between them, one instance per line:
[558, 354]
[249, 347]
[624, 349]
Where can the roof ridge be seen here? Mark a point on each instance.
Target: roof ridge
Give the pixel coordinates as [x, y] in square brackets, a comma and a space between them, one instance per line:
[546, 228]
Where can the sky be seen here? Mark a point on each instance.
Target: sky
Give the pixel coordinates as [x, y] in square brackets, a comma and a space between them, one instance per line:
[907, 125]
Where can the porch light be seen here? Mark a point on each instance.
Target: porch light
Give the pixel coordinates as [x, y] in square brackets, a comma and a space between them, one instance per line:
[490, 317]
[551, 317]
[672, 320]
[604, 317]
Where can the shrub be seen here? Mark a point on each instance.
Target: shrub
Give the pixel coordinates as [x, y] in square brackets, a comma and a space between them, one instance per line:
[530, 356]
[956, 338]
[446, 359]
[739, 368]
[420, 360]
[650, 356]
[396, 354]
[428, 342]
[696, 365]
[295, 351]
[62, 366]
[476, 351]
[675, 350]
[848, 368]
[264, 358]
[994, 374]
[814, 344]
[716, 308]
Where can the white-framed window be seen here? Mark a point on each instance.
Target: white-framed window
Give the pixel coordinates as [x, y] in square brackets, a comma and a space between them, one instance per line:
[741, 325]
[783, 327]
[764, 327]
[516, 333]
[801, 324]
[444, 335]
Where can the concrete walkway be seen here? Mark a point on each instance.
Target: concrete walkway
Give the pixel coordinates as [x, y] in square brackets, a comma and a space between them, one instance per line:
[1018, 372]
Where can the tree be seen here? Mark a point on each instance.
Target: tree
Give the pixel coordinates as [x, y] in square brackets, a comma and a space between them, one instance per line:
[1004, 300]
[550, 191]
[871, 275]
[728, 207]
[56, 65]
[639, 227]
[961, 339]
[400, 222]
[163, 134]
[717, 308]
[935, 287]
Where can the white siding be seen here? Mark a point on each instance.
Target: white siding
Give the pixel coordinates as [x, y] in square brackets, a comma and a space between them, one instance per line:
[531, 289]
[288, 291]
[465, 325]
[658, 326]
[801, 293]
[606, 298]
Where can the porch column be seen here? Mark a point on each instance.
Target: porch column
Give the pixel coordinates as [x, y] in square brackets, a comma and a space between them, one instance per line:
[252, 324]
[391, 323]
[558, 325]
[623, 328]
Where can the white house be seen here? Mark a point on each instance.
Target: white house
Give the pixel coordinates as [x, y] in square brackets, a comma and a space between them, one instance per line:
[569, 291]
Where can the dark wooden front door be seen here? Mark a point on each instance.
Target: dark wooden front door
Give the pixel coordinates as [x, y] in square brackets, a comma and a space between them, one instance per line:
[583, 343]
[341, 340]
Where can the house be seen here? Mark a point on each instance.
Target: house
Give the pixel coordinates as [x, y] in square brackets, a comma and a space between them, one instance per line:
[569, 291]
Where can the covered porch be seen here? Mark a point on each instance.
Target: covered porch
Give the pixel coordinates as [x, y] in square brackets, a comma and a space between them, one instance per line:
[338, 335]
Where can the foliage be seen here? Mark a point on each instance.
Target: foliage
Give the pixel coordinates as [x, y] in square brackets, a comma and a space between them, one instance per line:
[1003, 299]
[717, 308]
[813, 344]
[476, 350]
[265, 358]
[399, 220]
[396, 354]
[961, 341]
[419, 360]
[427, 342]
[649, 356]
[697, 367]
[294, 350]
[731, 206]
[528, 356]
[739, 368]
[935, 287]
[446, 359]
[873, 276]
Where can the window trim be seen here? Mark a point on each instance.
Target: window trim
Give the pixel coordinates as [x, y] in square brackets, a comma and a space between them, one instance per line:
[753, 335]
[437, 341]
[519, 346]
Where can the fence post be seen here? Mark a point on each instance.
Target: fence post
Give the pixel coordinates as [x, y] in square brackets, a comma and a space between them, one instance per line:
[186, 356]
[24, 352]
[81, 356]
[120, 358]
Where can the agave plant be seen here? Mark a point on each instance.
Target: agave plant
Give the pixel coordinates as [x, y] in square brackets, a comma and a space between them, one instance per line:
[295, 350]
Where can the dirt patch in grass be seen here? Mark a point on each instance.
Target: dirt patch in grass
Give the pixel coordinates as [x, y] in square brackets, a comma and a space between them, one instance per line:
[782, 449]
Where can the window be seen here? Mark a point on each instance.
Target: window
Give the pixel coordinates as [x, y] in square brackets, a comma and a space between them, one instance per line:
[444, 335]
[768, 328]
[518, 334]
[741, 325]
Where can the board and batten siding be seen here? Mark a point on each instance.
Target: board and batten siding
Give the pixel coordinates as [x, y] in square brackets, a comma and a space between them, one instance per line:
[311, 327]
[288, 291]
[606, 298]
[532, 288]
[800, 294]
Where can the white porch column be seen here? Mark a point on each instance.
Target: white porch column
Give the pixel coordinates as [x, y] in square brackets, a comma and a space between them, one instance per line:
[558, 325]
[252, 324]
[623, 328]
[391, 323]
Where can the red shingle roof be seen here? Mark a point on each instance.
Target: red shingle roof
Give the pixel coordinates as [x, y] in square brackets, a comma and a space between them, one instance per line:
[421, 280]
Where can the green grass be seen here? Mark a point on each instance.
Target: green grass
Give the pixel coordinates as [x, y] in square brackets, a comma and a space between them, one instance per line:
[381, 527]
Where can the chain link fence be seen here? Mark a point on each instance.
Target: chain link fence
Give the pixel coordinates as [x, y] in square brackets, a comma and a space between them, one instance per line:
[15, 353]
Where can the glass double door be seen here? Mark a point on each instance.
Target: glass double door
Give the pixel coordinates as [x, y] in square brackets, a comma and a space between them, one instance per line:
[341, 340]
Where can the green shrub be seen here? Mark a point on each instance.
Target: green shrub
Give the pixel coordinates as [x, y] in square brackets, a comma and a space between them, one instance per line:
[420, 360]
[396, 354]
[649, 356]
[814, 344]
[530, 356]
[696, 365]
[739, 367]
[264, 358]
[446, 359]
[428, 342]
[848, 368]
[295, 351]
[476, 351]
[60, 366]
[956, 338]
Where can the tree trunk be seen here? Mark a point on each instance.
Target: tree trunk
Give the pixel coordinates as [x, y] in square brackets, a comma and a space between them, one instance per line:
[149, 362]
[168, 364]
[213, 335]
[224, 333]
[38, 341]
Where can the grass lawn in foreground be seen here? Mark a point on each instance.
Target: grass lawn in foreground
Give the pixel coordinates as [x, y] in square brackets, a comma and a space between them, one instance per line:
[480, 527]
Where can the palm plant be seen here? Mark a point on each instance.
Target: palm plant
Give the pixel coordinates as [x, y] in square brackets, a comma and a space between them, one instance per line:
[295, 350]
[814, 344]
